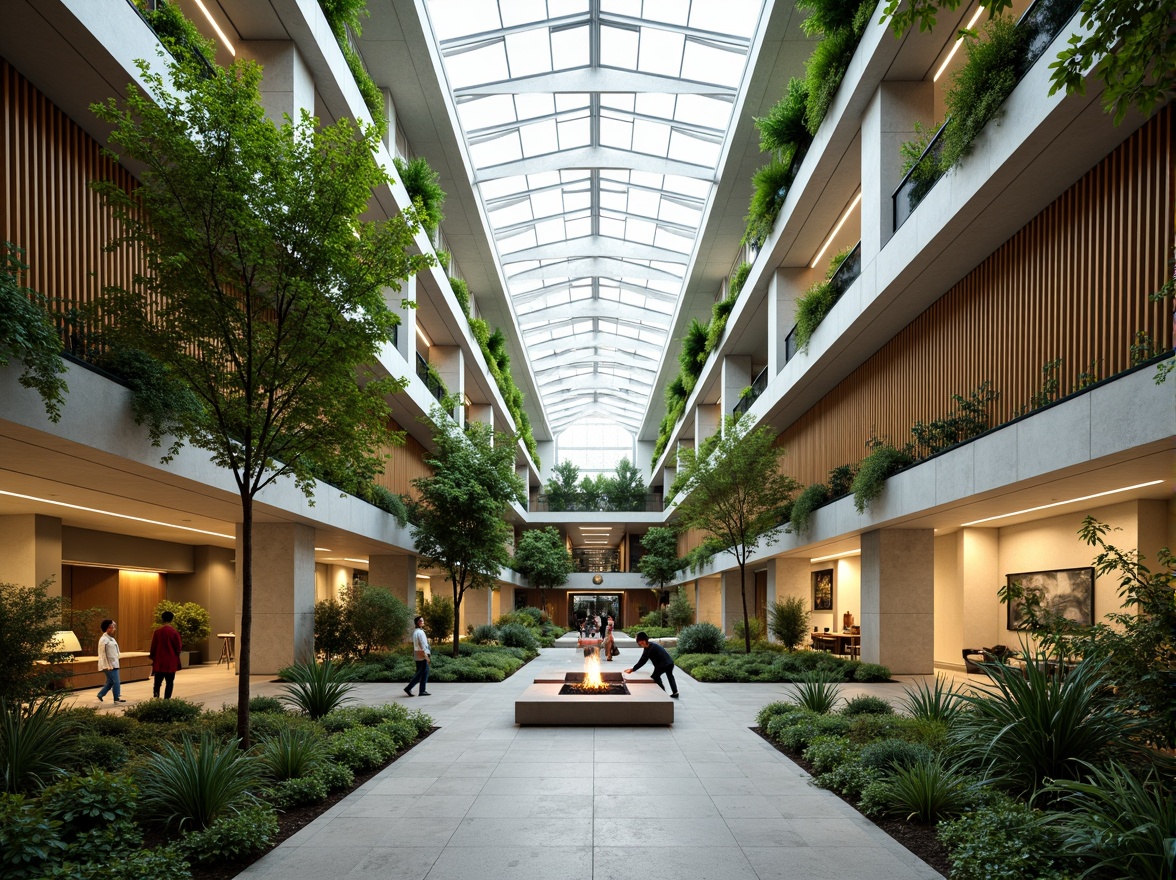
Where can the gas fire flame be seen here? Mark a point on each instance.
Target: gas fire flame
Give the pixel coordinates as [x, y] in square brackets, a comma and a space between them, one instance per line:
[592, 679]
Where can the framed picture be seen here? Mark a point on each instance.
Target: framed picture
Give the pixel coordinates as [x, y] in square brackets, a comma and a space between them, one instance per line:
[1066, 591]
[823, 590]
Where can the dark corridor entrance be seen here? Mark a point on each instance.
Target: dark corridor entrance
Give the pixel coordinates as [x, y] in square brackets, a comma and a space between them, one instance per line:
[589, 604]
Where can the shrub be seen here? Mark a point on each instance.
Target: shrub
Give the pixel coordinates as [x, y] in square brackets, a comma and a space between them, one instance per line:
[1033, 726]
[680, 612]
[809, 499]
[192, 621]
[887, 754]
[292, 753]
[871, 673]
[84, 803]
[783, 128]
[865, 704]
[883, 462]
[754, 626]
[266, 706]
[35, 744]
[772, 710]
[515, 636]
[796, 736]
[867, 728]
[484, 634]
[701, 638]
[28, 840]
[424, 188]
[1006, 840]
[461, 292]
[297, 791]
[375, 617]
[103, 752]
[848, 778]
[29, 617]
[1121, 824]
[27, 334]
[438, 614]
[194, 786]
[364, 716]
[769, 189]
[335, 776]
[232, 837]
[936, 703]
[788, 621]
[160, 711]
[361, 748]
[926, 791]
[781, 720]
[317, 688]
[332, 633]
[827, 752]
[818, 693]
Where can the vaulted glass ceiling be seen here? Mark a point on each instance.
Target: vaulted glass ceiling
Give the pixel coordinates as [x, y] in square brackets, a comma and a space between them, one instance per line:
[595, 129]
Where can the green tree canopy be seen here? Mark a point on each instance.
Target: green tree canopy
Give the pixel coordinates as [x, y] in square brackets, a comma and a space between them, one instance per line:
[660, 563]
[563, 493]
[459, 517]
[543, 558]
[626, 489]
[27, 333]
[737, 495]
[261, 289]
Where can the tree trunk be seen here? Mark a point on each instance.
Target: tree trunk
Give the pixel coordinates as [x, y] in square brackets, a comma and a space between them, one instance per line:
[246, 561]
[456, 614]
[743, 596]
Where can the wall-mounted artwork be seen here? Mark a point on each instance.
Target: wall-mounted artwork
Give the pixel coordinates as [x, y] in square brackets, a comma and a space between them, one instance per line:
[1066, 591]
[823, 590]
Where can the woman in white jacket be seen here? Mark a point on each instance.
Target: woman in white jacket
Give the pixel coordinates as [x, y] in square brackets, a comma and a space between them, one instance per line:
[108, 661]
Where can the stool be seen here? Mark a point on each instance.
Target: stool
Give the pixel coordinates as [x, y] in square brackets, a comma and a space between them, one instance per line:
[226, 654]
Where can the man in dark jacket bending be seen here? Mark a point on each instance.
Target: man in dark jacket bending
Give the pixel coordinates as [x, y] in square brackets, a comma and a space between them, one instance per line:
[663, 663]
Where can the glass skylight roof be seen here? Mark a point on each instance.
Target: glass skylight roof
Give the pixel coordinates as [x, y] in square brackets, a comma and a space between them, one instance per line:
[594, 128]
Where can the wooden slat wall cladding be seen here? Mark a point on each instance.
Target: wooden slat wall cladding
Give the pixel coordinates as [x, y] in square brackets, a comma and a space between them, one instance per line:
[406, 464]
[46, 205]
[1073, 284]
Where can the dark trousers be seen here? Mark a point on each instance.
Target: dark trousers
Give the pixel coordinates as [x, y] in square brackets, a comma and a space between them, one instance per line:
[422, 675]
[668, 672]
[160, 678]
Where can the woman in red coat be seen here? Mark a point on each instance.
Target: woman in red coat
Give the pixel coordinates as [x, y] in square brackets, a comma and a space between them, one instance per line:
[165, 655]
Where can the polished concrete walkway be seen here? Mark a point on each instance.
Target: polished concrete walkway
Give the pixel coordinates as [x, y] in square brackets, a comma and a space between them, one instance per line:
[483, 799]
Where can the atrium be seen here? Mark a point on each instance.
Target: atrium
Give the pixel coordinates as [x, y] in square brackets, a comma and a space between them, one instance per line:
[600, 286]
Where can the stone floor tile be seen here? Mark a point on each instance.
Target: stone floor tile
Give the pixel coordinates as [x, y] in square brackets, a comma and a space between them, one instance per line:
[831, 863]
[648, 805]
[482, 831]
[745, 806]
[678, 862]
[521, 862]
[493, 805]
[660, 832]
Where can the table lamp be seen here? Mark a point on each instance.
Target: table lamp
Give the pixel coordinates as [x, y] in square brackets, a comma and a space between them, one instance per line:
[64, 642]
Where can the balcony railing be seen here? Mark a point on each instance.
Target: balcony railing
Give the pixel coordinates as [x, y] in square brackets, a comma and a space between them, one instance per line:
[844, 276]
[1041, 23]
[596, 560]
[426, 376]
[757, 388]
[651, 503]
[153, 6]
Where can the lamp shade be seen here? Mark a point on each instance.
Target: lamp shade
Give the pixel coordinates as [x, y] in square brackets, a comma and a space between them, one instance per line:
[64, 642]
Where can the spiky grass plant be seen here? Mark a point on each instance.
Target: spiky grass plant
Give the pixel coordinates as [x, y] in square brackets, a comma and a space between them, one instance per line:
[191, 786]
[36, 744]
[317, 688]
[292, 753]
[818, 692]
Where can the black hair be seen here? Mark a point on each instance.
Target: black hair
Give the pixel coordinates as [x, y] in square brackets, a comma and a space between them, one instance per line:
[106, 624]
[641, 637]
[167, 617]
[418, 619]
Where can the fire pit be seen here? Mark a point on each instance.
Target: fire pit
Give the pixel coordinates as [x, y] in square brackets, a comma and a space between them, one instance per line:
[590, 697]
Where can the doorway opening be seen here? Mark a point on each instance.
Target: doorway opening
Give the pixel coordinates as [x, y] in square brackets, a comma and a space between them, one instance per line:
[588, 605]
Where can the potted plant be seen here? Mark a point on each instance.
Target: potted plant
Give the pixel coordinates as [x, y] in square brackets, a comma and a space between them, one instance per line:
[191, 622]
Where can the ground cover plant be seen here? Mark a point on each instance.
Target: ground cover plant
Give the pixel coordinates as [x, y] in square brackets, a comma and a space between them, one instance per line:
[766, 665]
[167, 794]
[488, 662]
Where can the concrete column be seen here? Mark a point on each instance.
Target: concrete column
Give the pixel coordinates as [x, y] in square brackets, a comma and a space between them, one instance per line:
[889, 121]
[733, 602]
[211, 585]
[898, 600]
[402, 303]
[696, 589]
[449, 362]
[390, 115]
[397, 574]
[287, 86]
[283, 595]
[788, 578]
[30, 550]
[979, 576]
[784, 289]
[707, 421]
[477, 608]
[736, 377]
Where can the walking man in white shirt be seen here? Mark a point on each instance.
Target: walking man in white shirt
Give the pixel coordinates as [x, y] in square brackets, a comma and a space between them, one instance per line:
[420, 653]
[108, 661]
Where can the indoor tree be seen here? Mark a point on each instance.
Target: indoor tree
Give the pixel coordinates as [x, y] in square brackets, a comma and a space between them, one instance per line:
[737, 495]
[563, 493]
[625, 490]
[660, 563]
[261, 290]
[459, 518]
[543, 558]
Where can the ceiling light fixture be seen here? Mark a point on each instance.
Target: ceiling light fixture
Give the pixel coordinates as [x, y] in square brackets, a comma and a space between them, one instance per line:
[1060, 503]
[423, 337]
[322, 549]
[216, 27]
[956, 47]
[153, 522]
[350, 559]
[836, 556]
[836, 229]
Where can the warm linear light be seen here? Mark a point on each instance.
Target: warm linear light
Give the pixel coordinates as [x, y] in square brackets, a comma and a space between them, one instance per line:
[836, 556]
[836, 229]
[1060, 503]
[323, 549]
[425, 339]
[349, 559]
[956, 47]
[216, 27]
[153, 522]
[595, 528]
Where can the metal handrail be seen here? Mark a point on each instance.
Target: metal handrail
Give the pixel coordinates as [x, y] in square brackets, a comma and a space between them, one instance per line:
[847, 272]
[424, 374]
[758, 385]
